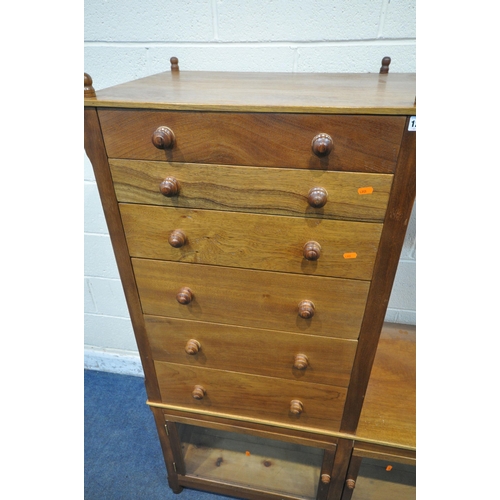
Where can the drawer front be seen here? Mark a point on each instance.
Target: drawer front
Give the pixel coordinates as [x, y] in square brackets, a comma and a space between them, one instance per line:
[289, 356]
[333, 248]
[251, 396]
[360, 143]
[278, 191]
[258, 299]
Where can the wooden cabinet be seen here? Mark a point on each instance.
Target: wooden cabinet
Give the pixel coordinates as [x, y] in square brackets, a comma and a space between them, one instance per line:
[257, 222]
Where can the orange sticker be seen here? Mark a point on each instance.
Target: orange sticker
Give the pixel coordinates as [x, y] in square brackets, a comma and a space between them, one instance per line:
[388, 468]
[365, 190]
[350, 255]
[247, 453]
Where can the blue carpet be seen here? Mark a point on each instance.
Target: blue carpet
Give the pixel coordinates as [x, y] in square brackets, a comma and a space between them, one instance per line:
[123, 458]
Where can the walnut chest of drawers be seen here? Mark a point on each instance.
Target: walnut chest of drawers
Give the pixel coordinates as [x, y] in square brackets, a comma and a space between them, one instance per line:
[257, 222]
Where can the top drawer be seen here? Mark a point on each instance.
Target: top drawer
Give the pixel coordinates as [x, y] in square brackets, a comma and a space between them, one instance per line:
[359, 143]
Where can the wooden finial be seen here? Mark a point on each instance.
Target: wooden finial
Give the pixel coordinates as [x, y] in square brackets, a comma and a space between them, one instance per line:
[385, 65]
[174, 64]
[88, 90]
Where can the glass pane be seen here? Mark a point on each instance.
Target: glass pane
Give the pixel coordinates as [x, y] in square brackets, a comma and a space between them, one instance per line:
[250, 461]
[380, 480]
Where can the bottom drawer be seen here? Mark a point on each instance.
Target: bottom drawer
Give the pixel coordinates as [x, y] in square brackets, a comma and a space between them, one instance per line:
[251, 397]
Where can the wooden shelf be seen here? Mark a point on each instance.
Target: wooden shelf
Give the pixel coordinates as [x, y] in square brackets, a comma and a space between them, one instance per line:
[369, 93]
[388, 415]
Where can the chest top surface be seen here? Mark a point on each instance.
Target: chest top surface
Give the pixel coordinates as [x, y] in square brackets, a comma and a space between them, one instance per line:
[323, 93]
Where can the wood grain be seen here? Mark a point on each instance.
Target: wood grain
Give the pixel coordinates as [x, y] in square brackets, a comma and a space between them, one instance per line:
[169, 447]
[352, 475]
[256, 299]
[252, 241]
[251, 396]
[389, 409]
[248, 189]
[340, 466]
[248, 350]
[392, 94]
[360, 143]
[391, 242]
[277, 191]
[387, 452]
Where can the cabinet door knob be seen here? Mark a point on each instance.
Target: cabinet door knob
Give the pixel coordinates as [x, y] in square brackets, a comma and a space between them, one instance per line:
[163, 138]
[317, 197]
[177, 238]
[199, 392]
[350, 483]
[296, 407]
[306, 309]
[325, 478]
[169, 187]
[322, 145]
[301, 362]
[184, 296]
[312, 250]
[192, 347]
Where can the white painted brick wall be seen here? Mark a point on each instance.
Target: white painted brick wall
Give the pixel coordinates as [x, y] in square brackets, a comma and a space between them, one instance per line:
[129, 39]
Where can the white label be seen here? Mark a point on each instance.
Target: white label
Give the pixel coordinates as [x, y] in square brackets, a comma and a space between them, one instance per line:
[412, 126]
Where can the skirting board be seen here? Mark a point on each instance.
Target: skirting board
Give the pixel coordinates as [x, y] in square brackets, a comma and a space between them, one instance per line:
[113, 362]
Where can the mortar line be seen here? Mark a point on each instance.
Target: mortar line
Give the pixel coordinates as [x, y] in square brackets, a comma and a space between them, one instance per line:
[269, 43]
[215, 20]
[381, 24]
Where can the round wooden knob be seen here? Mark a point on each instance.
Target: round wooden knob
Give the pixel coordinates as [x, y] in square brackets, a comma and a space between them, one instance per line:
[317, 197]
[88, 90]
[169, 187]
[174, 64]
[296, 407]
[384, 69]
[163, 138]
[325, 478]
[306, 309]
[301, 362]
[312, 250]
[199, 392]
[192, 347]
[185, 296]
[322, 145]
[177, 238]
[350, 483]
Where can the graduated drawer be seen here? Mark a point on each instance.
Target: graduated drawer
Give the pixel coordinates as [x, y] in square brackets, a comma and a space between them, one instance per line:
[290, 356]
[258, 299]
[278, 191]
[362, 143]
[254, 241]
[252, 397]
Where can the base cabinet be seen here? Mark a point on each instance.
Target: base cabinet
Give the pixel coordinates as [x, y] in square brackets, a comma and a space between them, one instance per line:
[244, 464]
[250, 462]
